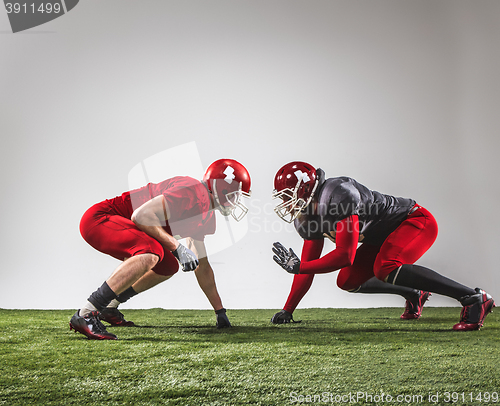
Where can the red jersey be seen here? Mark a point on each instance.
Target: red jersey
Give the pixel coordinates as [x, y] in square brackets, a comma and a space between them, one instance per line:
[187, 206]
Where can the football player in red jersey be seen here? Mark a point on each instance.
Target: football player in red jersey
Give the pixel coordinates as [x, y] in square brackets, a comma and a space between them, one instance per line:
[142, 227]
[394, 233]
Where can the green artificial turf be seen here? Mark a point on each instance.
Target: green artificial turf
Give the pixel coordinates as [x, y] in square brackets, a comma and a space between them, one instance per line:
[178, 357]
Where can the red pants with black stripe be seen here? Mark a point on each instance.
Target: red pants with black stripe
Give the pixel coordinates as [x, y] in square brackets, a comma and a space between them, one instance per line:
[405, 245]
[118, 236]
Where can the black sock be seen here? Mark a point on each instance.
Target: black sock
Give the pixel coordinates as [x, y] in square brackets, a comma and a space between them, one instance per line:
[419, 277]
[375, 285]
[102, 296]
[124, 296]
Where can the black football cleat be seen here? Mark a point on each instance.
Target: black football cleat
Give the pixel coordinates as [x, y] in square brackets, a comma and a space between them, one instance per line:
[114, 317]
[476, 308]
[413, 309]
[90, 326]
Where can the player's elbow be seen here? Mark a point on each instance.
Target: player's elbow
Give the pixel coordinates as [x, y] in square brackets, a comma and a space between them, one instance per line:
[136, 217]
[141, 217]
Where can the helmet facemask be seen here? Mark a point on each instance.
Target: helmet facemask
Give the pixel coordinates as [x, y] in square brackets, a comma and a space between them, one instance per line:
[231, 203]
[292, 205]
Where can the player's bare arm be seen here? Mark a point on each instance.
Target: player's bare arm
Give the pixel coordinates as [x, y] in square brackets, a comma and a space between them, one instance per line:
[204, 273]
[206, 279]
[149, 218]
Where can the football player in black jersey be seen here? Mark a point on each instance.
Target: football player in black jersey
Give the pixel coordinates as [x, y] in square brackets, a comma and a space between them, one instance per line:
[394, 233]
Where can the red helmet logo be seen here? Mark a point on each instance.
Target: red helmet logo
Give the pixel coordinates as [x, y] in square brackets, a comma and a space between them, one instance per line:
[229, 172]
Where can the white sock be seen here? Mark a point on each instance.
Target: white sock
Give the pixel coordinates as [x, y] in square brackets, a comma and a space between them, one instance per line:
[114, 304]
[88, 308]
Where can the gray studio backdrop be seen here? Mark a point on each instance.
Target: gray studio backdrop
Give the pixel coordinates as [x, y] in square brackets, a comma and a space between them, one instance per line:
[401, 95]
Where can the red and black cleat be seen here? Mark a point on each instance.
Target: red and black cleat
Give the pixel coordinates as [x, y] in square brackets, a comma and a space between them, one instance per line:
[476, 308]
[413, 309]
[90, 326]
[114, 317]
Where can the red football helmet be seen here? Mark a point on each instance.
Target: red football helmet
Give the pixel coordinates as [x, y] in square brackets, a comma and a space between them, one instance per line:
[295, 183]
[229, 181]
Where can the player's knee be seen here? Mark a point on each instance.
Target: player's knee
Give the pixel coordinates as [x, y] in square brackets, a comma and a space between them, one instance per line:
[383, 268]
[149, 260]
[344, 287]
[344, 282]
[340, 283]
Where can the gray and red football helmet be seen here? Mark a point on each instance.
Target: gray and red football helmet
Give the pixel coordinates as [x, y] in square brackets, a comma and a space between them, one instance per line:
[295, 184]
[229, 181]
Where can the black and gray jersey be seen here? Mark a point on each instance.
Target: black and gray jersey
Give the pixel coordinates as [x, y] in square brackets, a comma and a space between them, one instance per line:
[338, 198]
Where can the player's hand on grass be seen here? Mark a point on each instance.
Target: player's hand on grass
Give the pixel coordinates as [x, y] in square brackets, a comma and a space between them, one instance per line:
[186, 257]
[286, 258]
[222, 320]
[282, 317]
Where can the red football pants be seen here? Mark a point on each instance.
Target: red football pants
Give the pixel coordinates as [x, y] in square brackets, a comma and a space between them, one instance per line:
[119, 237]
[405, 245]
